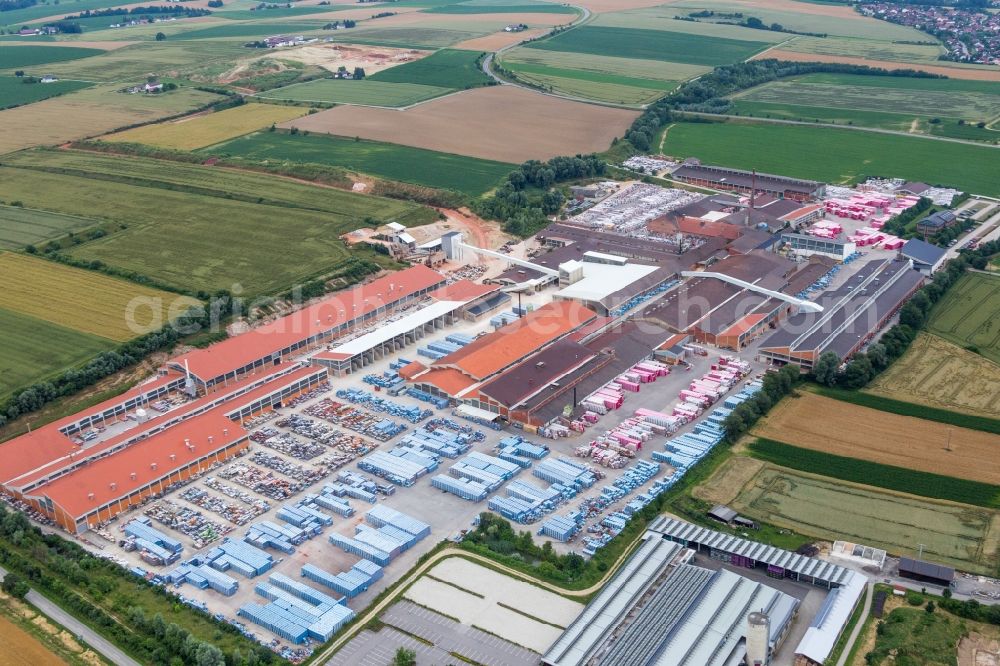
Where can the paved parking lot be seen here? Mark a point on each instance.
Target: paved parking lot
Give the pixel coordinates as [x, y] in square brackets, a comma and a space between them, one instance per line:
[451, 636]
[378, 649]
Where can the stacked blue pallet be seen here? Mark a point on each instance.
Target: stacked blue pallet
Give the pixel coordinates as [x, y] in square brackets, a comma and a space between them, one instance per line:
[460, 339]
[203, 577]
[520, 446]
[398, 364]
[565, 472]
[307, 521]
[303, 591]
[394, 469]
[411, 413]
[438, 442]
[514, 509]
[356, 491]
[392, 545]
[560, 528]
[381, 515]
[328, 500]
[313, 511]
[274, 620]
[417, 456]
[350, 583]
[331, 622]
[437, 401]
[464, 488]
[368, 568]
[268, 535]
[321, 620]
[361, 549]
[166, 548]
[503, 319]
[428, 353]
[487, 470]
[247, 559]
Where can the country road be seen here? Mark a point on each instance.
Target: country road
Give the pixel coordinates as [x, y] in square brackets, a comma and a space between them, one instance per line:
[857, 627]
[77, 628]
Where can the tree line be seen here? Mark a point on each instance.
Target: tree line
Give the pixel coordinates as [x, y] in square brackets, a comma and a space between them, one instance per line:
[863, 367]
[526, 197]
[708, 93]
[776, 385]
[89, 586]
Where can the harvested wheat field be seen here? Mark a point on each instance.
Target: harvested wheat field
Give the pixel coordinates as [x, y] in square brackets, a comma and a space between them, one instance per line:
[815, 422]
[206, 129]
[602, 6]
[799, 7]
[501, 123]
[967, 74]
[499, 40]
[937, 373]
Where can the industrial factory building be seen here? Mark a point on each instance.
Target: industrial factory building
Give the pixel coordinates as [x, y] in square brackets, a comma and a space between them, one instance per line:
[853, 313]
[735, 180]
[663, 608]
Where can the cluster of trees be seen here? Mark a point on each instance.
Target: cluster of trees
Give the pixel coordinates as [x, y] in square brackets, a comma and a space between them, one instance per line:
[11, 5]
[707, 94]
[214, 4]
[107, 363]
[865, 366]
[353, 271]
[334, 25]
[526, 196]
[153, 9]
[89, 586]
[948, 234]
[66, 27]
[776, 386]
[971, 609]
[897, 225]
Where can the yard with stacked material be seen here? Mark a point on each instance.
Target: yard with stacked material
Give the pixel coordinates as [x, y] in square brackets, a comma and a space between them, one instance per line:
[848, 155]
[937, 373]
[204, 130]
[168, 219]
[88, 112]
[969, 316]
[816, 422]
[898, 103]
[823, 507]
[403, 163]
[366, 92]
[499, 123]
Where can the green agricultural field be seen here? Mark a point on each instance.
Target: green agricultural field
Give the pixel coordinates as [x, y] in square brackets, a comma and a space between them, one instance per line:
[177, 240]
[15, 92]
[408, 37]
[35, 350]
[898, 479]
[914, 636]
[848, 24]
[276, 13]
[874, 119]
[972, 106]
[652, 45]
[662, 18]
[447, 68]
[847, 154]
[247, 29]
[868, 49]
[12, 57]
[22, 226]
[962, 536]
[969, 315]
[132, 63]
[367, 92]
[585, 86]
[409, 165]
[465, 8]
[623, 71]
[47, 8]
[902, 82]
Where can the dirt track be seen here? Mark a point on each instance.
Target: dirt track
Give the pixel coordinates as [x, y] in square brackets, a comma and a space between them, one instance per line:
[814, 422]
[500, 123]
[953, 72]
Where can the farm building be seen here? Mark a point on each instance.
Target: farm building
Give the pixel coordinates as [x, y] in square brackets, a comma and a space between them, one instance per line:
[808, 246]
[81, 477]
[845, 587]
[914, 188]
[660, 604]
[854, 312]
[935, 222]
[309, 327]
[926, 258]
[926, 572]
[736, 180]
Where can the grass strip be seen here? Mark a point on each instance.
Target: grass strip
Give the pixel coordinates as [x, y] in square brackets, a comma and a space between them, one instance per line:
[924, 484]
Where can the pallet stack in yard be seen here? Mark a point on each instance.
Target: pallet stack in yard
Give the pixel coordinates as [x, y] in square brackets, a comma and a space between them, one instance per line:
[387, 534]
[350, 583]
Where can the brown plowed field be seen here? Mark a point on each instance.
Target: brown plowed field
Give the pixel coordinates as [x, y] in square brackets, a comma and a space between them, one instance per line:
[502, 123]
[499, 40]
[953, 72]
[824, 424]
